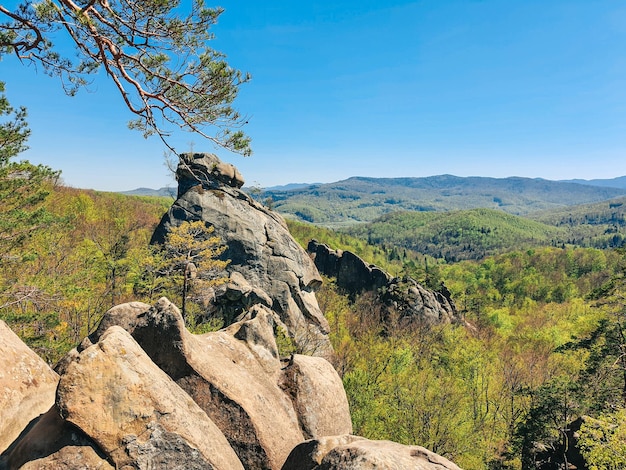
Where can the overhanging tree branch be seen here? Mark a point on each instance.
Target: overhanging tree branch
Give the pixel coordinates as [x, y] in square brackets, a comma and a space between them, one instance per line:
[157, 56]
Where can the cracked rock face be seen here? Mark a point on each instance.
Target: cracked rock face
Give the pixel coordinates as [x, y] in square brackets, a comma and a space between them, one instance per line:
[261, 250]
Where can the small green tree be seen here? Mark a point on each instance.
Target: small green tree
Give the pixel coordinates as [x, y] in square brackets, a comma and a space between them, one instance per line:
[188, 261]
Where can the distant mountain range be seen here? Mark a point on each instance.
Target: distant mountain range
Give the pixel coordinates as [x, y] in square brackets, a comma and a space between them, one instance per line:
[363, 199]
[165, 192]
[619, 182]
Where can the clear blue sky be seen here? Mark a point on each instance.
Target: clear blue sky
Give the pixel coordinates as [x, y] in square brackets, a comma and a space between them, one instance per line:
[376, 88]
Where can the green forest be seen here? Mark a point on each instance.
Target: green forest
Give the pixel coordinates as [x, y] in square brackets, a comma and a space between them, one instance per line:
[540, 353]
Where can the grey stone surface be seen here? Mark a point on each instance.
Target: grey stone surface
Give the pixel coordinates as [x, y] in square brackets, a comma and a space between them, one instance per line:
[261, 251]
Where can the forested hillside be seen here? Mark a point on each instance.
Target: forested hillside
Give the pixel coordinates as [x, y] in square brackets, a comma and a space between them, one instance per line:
[476, 233]
[89, 257]
[541, 346]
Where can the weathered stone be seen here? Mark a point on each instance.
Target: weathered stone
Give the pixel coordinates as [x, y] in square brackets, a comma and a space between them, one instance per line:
[134, 412]
[70, 457]
[318, 396]
[52, 443]
[259, 247]
[234, 376]
[352, 273]
[125, 315]
[27, 386]
[205, 169]
[357, 453]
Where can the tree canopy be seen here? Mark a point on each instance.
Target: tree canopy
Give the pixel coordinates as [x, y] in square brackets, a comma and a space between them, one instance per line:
[155, 51]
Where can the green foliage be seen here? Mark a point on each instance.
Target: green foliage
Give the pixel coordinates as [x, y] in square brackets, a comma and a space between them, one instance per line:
[458, 235]
[68, 274]
[602, 441]
[489, 394]
[187, 263]
[286, 345]
[23, 186]
[14, 132]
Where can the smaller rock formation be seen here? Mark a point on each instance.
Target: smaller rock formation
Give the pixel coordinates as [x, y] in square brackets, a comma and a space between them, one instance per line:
[352, 273]
[412, 300]
[27, 386]
[356, 453]
[405, 295]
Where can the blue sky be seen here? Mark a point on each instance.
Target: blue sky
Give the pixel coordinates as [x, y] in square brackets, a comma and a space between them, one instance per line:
[390, 88]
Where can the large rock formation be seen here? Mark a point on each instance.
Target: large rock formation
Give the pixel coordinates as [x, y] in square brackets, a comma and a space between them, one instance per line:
[406, 296]
[143, 392]
[266, 267]
[27, 386]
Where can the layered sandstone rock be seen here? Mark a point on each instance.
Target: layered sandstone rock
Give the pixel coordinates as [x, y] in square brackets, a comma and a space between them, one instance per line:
[237, 378]
[261, 251]
[27, 386]
[135, 412]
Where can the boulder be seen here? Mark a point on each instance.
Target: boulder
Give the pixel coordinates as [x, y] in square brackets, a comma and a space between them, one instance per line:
[236, 376]
[204, 169]
[259, 247]
[52, 443]
[135, 413]
[27, 386]
[318, 396]
[356, 453]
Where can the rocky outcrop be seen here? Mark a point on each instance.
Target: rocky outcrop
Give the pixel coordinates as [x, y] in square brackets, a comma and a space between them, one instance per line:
[141, 390]
[405, 295]
[356, 453]
[135, 412]
[352, 273]
[261, 251]
[411, 300]
[27, 386]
